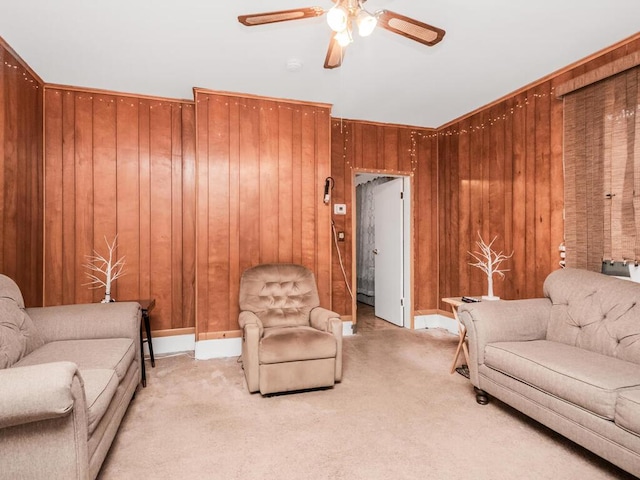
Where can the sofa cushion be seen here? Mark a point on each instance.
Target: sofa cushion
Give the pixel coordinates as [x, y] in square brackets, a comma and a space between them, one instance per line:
[586, 379]
[100, 385]
[290, 344]
[110, 353]
[595, 312]
[628, 410]
[10, 290]
[18, 335]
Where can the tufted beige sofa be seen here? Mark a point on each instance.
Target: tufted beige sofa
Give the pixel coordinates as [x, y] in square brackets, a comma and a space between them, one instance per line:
[67, 375]
[570, 360]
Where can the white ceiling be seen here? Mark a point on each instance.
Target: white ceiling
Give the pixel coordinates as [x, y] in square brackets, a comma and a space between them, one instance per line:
[167, 47]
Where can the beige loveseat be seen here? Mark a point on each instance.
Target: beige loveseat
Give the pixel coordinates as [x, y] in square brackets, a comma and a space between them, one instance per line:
[67, 375]
[570, 360]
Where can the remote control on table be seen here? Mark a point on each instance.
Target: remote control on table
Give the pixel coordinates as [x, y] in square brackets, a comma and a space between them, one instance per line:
[470, 299]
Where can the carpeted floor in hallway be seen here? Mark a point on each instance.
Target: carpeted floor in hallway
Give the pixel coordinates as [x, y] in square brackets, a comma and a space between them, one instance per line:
[398, 414]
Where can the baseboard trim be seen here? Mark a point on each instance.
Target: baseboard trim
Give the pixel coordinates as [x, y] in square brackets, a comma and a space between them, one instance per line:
[436, 321]
[213, 348]
[171, 344]
[218, 348]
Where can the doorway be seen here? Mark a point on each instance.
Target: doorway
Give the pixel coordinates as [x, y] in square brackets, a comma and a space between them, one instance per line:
[382, 246]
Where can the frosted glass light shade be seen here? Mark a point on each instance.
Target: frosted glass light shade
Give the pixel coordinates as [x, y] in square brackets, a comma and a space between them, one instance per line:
[366, 23]
[337, 18]
[344, 37]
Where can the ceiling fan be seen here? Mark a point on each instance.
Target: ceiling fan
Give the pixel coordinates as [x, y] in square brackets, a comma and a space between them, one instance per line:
[343, 16]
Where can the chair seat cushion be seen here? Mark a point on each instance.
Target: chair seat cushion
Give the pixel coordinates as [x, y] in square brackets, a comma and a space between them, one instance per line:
[587, 379]
[100, 385]
[291, 344]
[628, 410]
[110, 353]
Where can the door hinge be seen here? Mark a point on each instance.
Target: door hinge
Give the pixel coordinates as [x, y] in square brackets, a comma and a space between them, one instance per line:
[402, 302]
[401, 195]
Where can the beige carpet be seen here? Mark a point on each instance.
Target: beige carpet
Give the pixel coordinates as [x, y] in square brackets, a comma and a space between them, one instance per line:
[398, 414]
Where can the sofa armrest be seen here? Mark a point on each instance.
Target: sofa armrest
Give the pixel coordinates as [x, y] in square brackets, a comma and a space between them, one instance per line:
[502, 321]
[249, 318]
[37, 392]
[328, 321]
[91, 320]
[252, 331]
[322, 319]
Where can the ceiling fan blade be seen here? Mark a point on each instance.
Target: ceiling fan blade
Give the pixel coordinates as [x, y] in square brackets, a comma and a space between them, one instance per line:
[335, 54]
[280, 16]
[410, 28]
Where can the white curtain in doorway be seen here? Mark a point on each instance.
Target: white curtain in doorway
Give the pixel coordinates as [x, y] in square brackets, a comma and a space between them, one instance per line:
[365, 236]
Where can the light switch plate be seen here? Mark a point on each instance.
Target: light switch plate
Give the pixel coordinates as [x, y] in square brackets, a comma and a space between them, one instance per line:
[340, 209]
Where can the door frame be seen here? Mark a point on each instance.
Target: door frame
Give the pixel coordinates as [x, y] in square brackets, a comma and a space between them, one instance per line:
[408, 320]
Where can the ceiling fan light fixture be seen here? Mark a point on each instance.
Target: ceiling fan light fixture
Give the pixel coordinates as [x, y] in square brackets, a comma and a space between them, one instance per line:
[337, 18]
[344, 37]
[366, 23]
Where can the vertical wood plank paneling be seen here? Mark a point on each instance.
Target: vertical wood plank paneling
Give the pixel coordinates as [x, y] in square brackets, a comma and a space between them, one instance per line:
[160, 116]
[188, 216]
[249, 131]
[265, 163]
[323, 212]
[218, 238]
[120, 165]
[84, 213]
[543, 261]
[128, 195]
[54, 183]
[13, 148]
[465, 222]
[519, 261]
[202, 211]
[144, 169]
[234, 201]
[285, 184]
[4, 106]
[103, 166]
[309, 176]
[365, 147]
[177, 209]
[21, 175]
[269, 180]
[67, 250]
[104, 179]
[296, 178]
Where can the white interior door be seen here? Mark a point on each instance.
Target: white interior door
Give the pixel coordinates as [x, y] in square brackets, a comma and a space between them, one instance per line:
[389, 259]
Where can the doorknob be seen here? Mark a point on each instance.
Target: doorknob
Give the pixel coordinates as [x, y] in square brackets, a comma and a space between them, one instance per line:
[375, 251]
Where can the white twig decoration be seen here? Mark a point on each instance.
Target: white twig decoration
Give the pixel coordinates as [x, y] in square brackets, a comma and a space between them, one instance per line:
[101, 265]
[489, 262]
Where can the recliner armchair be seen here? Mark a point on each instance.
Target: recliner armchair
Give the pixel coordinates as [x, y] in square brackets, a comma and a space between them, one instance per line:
[289, 342]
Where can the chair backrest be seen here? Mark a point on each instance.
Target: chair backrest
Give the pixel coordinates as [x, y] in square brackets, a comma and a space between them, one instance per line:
[279, 294]
[595, 312]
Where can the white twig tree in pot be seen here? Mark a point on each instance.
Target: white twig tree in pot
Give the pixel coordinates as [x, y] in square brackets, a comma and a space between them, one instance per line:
[489, 262]
[104, 271]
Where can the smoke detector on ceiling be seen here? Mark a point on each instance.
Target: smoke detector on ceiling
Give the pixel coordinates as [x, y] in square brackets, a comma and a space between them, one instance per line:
[294, 64]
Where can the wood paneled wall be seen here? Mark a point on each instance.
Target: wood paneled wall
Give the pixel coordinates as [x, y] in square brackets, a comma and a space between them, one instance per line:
[359, 147]
[501, 174]
[261, 170]
[21, 175]
[126, 164]
[121, 165]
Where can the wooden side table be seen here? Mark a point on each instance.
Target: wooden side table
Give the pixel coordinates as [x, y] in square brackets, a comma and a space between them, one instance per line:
[455, 302]
[146, 305]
